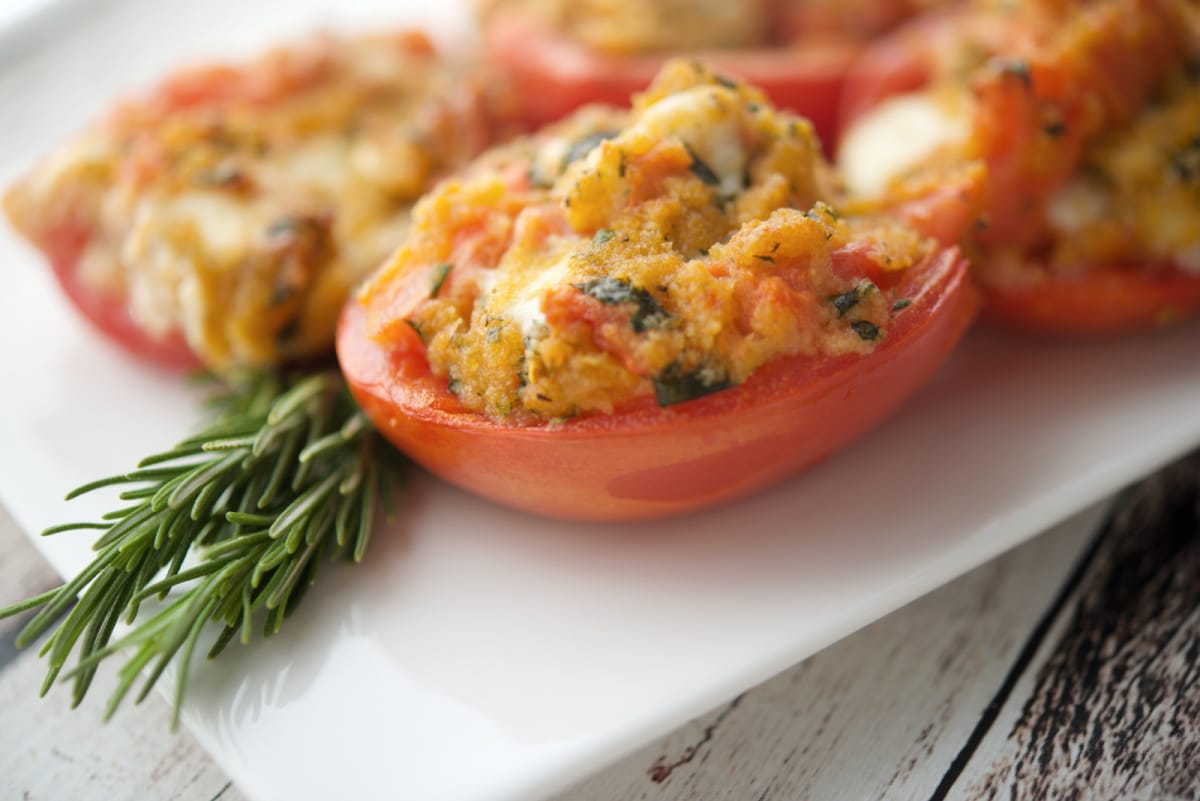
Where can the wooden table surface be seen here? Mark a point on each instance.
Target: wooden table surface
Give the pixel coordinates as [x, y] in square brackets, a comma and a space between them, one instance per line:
[1068, 668]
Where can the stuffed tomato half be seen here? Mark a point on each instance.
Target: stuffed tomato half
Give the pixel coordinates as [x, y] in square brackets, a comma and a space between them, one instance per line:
[1084, 116]
[562, 54]
[639, 313]
[222, 219]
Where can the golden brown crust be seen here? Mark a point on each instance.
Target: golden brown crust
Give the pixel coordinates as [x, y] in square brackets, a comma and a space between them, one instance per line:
[671, 249]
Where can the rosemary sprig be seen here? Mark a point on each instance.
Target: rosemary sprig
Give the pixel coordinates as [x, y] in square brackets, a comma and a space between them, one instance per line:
[229, 524]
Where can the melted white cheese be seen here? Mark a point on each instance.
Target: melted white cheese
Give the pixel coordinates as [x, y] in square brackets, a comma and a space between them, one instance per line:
[701, 118]
[1078, 205]
[895, 137]
[517, 294]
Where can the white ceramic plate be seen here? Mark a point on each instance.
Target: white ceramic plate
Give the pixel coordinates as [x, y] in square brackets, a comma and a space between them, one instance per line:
[483, 655]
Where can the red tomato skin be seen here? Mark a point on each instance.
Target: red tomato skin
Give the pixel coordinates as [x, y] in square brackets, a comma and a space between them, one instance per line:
[645, 461]
[1108, 300]
[554, 75]
[107, 312]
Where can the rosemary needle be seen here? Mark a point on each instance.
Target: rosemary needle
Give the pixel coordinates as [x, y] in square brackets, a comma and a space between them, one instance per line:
[286, 474]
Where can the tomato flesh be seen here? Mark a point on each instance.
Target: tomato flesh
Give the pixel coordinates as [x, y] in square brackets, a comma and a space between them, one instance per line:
[646, 461]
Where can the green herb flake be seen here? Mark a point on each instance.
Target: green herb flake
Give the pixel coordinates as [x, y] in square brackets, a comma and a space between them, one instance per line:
[439, 277]
[584, 145]
[673, 386]
[701, 170]
[902, 303]
[602, 236]
[612, 291]
[866, 330]
[850, 298]
[767, 259]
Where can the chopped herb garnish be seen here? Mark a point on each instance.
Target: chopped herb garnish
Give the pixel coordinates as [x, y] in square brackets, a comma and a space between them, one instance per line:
[439, 277]
[581, 147]
[767, 259]
[850, 298]
[902, 303]
[613, 291]
[602, 236]
[701, 170]
[865, 329]
[673, 386]
[728, 83]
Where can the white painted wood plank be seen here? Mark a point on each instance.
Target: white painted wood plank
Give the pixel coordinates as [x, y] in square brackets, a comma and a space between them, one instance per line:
[879, 715]
[49, 752]
[1110, 707]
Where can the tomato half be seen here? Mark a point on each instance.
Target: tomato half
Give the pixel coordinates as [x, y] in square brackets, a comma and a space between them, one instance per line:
[645, 461]
[553, 75]
[1033, 115]
[108, 311]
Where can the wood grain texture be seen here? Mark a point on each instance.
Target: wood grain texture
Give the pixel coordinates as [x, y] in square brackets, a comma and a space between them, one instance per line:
[879, 715]
[1113, 709]
[49, 752]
